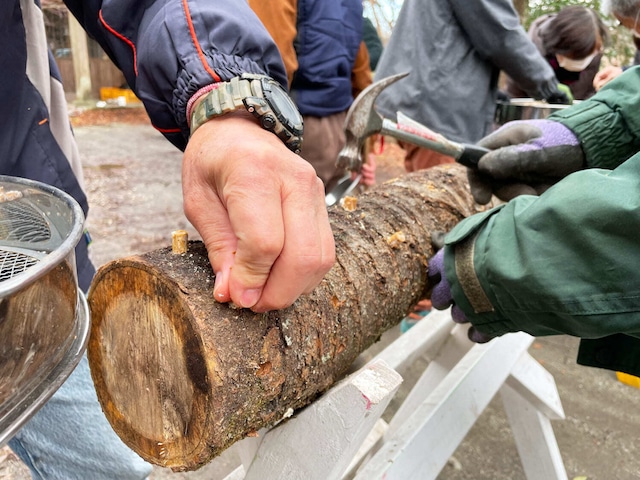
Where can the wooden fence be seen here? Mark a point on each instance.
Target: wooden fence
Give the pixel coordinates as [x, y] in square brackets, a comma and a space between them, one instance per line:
[103, 74]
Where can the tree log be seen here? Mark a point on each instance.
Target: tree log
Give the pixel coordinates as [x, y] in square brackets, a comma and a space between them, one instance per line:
[181, 377]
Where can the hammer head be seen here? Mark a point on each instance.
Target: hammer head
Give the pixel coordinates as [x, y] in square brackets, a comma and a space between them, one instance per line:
[362, 121]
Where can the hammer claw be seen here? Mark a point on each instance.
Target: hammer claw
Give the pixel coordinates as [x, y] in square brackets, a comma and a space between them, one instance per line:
[363, 121]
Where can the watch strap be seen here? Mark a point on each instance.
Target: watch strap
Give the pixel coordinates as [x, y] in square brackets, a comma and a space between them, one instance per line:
[225, 98]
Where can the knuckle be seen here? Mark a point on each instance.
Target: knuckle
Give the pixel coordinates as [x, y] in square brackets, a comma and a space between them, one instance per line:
[328, 261]
[305, 175]
[281, 304]
[267, 249]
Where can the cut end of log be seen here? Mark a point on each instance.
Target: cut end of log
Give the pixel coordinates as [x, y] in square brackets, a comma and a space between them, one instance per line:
[147, 364]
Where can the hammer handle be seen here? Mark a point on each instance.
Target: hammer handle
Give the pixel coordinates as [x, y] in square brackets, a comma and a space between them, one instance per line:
[467, 155]
[471, 155]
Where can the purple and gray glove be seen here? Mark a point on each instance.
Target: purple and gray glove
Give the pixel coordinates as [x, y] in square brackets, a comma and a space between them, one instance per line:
[527, 157]
[441, 298]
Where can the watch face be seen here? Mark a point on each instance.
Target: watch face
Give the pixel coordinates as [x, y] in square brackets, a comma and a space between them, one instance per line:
[283, 107]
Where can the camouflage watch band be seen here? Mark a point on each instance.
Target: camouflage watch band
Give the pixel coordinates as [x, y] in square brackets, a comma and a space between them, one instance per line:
[261, 96]
[227, 97]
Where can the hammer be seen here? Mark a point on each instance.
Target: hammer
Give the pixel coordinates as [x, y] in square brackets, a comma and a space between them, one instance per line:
[363, 120]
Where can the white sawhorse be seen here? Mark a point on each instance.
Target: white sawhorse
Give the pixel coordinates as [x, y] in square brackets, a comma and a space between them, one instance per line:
[341, 435]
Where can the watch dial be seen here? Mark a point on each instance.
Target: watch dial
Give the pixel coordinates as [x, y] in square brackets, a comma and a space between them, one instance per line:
[284, 107]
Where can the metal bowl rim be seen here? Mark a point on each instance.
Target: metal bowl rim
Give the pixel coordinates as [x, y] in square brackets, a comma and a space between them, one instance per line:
[54, 258]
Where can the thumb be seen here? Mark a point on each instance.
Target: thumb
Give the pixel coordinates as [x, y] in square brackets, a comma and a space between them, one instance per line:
[259, 229]
[212, 222]
[480, 186]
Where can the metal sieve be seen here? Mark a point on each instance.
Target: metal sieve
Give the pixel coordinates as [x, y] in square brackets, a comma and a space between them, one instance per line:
[525, 109]
[44, 319]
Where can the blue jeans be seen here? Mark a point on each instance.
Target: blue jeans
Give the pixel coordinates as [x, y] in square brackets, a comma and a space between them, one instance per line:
[70, 438]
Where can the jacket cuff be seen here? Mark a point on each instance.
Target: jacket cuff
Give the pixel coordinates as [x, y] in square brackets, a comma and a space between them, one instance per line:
[603, 133]
[460, 270]
[464, 254]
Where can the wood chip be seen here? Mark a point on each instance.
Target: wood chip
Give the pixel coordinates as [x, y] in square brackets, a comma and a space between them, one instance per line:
[349, 203]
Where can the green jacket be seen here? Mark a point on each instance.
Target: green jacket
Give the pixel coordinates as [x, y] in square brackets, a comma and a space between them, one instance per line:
[568, 261]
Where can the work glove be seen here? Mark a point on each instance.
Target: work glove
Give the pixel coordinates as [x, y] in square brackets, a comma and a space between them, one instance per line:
[526, 157]
[502, 97]
[562, 95]
[441, 298]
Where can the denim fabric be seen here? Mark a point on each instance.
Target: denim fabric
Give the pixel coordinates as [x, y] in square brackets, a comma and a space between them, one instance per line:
[69, 438]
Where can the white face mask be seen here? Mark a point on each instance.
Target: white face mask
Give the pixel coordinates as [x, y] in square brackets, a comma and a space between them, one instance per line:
[575, 65]
[635, 25]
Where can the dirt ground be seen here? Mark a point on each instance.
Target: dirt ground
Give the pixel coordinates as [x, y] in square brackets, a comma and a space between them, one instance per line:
[132, 176]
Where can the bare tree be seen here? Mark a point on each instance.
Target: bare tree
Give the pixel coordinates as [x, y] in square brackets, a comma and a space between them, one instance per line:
[521, 7]
[383, 14]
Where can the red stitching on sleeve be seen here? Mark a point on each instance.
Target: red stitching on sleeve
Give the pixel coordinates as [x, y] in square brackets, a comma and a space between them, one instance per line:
[192, 31]
[124, 39]
[167, 130]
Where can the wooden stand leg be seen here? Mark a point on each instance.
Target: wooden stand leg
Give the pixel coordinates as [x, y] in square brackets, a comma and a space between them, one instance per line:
[534, 438]
[456, 346]
[421, 446]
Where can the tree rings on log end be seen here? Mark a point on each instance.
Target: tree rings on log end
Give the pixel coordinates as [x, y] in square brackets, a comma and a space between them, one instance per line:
[148, 364]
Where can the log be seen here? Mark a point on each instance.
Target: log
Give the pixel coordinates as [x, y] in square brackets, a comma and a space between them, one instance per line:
[181, 377]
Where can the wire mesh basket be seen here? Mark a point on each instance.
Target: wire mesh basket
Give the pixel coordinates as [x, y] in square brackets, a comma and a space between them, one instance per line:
[43, 315]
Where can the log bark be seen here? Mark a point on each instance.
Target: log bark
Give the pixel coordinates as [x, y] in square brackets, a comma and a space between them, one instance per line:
[181, 377]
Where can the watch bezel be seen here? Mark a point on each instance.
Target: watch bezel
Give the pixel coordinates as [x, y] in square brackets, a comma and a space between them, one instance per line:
[264, 107]
[296, 126]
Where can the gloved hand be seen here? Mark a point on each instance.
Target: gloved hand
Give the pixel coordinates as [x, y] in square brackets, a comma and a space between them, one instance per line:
[502, 97]
[562, 95]
[441, 296]
[527, 157]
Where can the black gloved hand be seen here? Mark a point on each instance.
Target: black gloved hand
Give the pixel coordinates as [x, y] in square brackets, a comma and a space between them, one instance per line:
[527, 157]
[502, 97]
[562, 95]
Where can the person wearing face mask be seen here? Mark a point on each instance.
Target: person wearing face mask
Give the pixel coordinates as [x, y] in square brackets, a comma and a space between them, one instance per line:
[628, 14]
[572, 41]
[454, 51]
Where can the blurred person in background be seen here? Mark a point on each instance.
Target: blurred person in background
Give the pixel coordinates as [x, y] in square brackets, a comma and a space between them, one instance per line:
[327, 62]
[572, 41]
[454, 51]
[627, 12]
[373, 42]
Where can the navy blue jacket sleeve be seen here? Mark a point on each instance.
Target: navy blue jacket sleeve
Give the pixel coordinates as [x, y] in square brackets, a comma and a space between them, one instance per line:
[169, 49]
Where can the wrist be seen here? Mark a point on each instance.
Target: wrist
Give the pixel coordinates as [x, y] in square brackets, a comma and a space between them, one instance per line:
[257, 94]
[234, 118]
[196, 99]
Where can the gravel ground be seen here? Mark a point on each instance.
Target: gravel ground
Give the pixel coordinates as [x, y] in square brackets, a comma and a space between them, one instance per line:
[133, 184]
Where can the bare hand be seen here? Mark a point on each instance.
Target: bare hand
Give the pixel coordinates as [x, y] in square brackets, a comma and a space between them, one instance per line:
[367, 172]
[605, 76]
[260, 210]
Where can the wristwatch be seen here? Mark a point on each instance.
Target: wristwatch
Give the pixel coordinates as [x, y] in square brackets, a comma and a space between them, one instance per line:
[263, 97]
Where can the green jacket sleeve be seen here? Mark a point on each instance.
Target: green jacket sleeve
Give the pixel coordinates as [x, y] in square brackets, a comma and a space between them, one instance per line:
[608, 124]
[567, 262]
